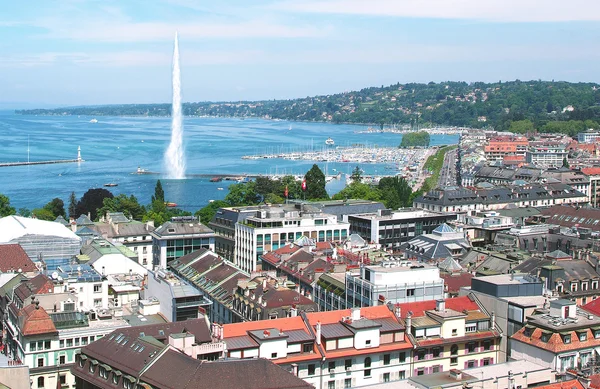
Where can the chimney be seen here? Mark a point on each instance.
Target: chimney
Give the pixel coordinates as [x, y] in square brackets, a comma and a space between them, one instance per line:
[318, 332]
[295, 369]
[440, 305]
[408, 322]
[355, 314]
[493, 319]
[293, 311]
[398, 311]
[264, 283]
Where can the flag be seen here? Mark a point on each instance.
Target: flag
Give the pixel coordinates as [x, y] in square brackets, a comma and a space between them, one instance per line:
[285, 192]
[304, 186]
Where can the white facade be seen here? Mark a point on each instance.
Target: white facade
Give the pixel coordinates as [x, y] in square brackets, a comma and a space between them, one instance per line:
[268, 231]
[588, 137]
[112, 264]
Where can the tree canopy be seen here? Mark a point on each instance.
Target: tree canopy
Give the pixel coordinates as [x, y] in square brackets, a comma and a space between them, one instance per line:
[5, 208]
[315, 184]
[92, 201]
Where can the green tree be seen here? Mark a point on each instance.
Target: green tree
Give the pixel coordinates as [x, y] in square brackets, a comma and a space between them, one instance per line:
[395, 192]
[566, 163]
[415, 139]
[206, 214]
[242, 194]
[56, 207]
[521, 126]
[358, 190]
[315, 184]
[73, 206]
[121, 203]
[356, 174]
[92, 201]
[5, 208]
[25, 212]
[43, 214]
[159, 193]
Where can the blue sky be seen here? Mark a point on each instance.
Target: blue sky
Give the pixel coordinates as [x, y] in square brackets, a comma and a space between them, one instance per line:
[73, 52]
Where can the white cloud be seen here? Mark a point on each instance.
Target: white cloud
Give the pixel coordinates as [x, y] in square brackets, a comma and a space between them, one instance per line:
[484, 10]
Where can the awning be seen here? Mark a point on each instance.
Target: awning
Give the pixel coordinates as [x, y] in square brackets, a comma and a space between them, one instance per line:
[130, 378]
[116, 372]
[106, 367]
[94, 362]
[83, 357]
[596, 328]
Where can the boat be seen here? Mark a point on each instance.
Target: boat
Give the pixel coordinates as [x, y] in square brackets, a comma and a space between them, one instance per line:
[329, 141]
[290, 129]
[94, 120]
[111, 184]
[170, 205]
[219, 188]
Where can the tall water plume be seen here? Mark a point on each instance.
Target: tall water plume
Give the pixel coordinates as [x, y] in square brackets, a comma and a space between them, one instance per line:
[174, 158]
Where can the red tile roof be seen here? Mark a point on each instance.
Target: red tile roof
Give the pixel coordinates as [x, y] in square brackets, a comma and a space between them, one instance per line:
[593, 307]
[39, 284]
[555, 344]
[34, 320]
[591, 171]
[595, 381]
[456, 281]
[571, 384]
[458, 304]
[13, 258]
[329, 317]
[285, 324]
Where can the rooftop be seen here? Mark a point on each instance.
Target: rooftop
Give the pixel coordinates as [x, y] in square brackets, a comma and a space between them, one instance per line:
[14, 259]
[14, 227]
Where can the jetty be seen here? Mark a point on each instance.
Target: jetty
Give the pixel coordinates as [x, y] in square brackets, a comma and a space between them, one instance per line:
[49, 162]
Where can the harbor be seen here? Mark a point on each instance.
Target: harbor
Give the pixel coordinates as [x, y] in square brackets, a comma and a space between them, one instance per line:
[48, 162]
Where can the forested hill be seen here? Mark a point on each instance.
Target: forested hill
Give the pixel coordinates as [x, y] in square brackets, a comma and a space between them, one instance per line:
[448, 103]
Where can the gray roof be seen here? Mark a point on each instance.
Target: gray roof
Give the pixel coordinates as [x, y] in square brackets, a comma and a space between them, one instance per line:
[335, 330]
[188, 228]
[240, 342]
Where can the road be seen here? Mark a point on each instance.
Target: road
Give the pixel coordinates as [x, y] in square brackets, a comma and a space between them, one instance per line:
[448, 172]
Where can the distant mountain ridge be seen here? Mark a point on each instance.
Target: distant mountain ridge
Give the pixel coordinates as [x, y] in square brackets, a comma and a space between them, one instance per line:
[475, 104]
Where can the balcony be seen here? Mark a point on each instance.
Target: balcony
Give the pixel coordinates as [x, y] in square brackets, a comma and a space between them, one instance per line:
[209, 348]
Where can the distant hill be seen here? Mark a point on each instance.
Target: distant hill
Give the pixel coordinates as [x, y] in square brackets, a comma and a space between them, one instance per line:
[448, 103]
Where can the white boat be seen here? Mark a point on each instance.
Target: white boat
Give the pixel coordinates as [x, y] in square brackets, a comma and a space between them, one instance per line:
[219, 188]
[290, 129]
[329, 141]
[94, 120]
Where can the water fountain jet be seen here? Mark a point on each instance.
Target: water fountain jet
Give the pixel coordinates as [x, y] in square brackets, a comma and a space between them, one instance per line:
[174, 156]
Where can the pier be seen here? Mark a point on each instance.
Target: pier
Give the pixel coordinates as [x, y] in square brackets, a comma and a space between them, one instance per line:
[50, 162]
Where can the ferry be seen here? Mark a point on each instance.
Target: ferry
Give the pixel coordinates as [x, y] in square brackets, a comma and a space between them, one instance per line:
[111, 184]
[329, 141]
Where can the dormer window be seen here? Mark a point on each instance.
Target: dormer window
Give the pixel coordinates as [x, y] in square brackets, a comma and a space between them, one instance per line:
[566, 338]
[582, 336]
[573, 287]
[545, 337]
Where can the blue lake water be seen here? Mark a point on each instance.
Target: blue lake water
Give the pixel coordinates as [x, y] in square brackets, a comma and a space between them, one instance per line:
[114, 147]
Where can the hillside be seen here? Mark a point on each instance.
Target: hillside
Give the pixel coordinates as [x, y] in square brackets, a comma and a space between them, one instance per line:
[448, 103]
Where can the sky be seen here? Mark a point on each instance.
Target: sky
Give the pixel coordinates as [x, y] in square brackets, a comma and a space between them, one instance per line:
[84, 52]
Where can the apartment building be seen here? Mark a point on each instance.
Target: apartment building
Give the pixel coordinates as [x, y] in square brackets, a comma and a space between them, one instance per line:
[499, 147]
[546, 155]
[274, 226]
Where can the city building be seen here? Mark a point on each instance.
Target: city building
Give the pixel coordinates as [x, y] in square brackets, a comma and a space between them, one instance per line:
[392, 228]
[562, 337]
[501, 175]
[393, 282]
[449, 334]
[13, 375]
[115, 227]
[499, 147]
[593, 174]
[178, 237]
[512, 298]
[84, 282]
[529, 195]
[579, 218]
[588, 137]
[173, 356]
[274, 226]
[109, 259]
[547, 155]
[481, 227]
[330, 292]
[267, 297]
[443, 242]
[45, 241]
[178, 299]
[214, 277]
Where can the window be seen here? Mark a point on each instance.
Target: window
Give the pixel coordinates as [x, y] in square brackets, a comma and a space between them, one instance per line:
[487, 345]
[545, 337]
[61, 360]
[91, 368]
[436, 352]
[566, 338]
[103, 373]
[435, 369]
[273, 355]
[582, 336]
[91, 339]
[454, 350]
[331, 385]
[40, 362]
[420, 354]
[348, 383]
[386, 377]
[367, 371]
[453, 361]
[386, 359]
[596, 334]
[311, 369]
[402, 375]
[368, 342]
[97, 302]
[62, 379]
[471, 364]
[486, 362]
[97, 288]
[69, 342]
[115, 378]
[32, 346]
[40, 382]
[348, 364]
[454, 332]
[307, 348]
[76, 341]
[331, 366]
[46, 345]
[402, 357]
[410, 292]
[61, 343]
[420, 371]
[471, 327]
[84, 340]
[81, 361]
[470, 347]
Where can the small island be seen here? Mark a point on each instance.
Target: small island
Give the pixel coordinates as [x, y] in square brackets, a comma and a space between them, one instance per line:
[415, 139]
